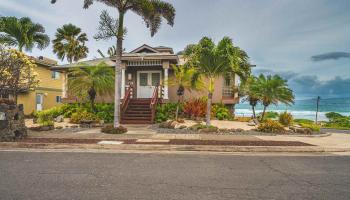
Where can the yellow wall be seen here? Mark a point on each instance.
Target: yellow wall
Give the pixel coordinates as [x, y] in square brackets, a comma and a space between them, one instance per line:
[49, 87]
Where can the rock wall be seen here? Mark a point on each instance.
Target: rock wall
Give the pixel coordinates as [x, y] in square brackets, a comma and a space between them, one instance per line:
[12, 124]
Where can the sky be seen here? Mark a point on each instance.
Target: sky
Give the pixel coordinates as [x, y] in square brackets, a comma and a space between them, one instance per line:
[306, 42]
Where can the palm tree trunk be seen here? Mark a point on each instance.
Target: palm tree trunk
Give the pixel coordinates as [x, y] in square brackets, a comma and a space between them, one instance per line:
[210, 96]
[118, 66]
[263, 114]
[177, 109]
[254, 115]
[92, 96]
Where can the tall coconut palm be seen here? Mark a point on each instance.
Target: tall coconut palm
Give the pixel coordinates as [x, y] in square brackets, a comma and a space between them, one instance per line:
[211, 61]
[152, 12]
[273, 90]
[248, 89]
[69, 43]
[94, 80]
[22, 33]
[183, 79]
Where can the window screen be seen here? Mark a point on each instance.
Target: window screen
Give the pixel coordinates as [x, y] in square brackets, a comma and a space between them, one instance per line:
[155, 79]
[143, 79]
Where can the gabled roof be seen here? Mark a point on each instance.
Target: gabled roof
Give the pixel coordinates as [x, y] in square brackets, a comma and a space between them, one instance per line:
[145, 48]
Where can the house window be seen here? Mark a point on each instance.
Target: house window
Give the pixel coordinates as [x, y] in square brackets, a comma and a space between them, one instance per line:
[228, 85]
[4, 96]
[55, 75]
[58, 99]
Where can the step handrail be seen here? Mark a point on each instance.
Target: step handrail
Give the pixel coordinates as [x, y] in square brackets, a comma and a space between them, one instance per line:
[127, 97]
[154, 102]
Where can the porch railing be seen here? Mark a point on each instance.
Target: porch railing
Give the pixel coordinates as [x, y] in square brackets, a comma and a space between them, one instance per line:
[157, 95]
[127, 97]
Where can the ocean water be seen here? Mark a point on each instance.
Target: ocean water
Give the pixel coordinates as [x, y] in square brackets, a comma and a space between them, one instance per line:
[302, 109]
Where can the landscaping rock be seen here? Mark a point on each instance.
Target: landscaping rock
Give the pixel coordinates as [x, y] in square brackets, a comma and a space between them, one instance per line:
[253, 122]
[42, 128]
[86, 123]
[170, 124]
[59, 119]
[180, 127]
[12, 124]
[59, 127]
[301, 130]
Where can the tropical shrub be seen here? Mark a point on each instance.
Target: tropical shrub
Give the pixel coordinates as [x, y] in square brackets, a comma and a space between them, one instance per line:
[195, 108]
[303, 121]
[82, 115]
[269, 115]
[285, 118]
[166, 111]
[333, 116]
[45, 117]
[111, 130]
[313, 127]
[220, 112]
[337, 121]
[105, 112]
[198, 127]
[69, 109]
[270, 126]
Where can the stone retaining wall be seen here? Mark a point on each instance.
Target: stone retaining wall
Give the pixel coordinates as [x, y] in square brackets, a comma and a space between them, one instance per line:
[12, 125]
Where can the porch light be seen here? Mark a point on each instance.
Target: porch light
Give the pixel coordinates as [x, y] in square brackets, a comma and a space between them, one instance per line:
[129, 77]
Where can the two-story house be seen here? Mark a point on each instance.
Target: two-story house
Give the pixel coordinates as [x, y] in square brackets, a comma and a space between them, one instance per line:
[49, 91]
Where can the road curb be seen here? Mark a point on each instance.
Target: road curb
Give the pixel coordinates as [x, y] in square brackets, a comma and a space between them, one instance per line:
[196, 148]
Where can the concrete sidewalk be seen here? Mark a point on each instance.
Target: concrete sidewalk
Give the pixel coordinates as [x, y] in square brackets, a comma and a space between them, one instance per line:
[336, 142]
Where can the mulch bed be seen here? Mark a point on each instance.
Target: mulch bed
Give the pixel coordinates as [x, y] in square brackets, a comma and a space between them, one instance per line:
[171, 142]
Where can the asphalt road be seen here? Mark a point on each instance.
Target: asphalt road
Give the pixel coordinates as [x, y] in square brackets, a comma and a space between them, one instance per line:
[116, 176]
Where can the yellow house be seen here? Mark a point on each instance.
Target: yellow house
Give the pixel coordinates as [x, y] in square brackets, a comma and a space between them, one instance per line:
[49, 92]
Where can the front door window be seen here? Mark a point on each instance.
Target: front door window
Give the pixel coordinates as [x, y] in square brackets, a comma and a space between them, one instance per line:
[143, 79]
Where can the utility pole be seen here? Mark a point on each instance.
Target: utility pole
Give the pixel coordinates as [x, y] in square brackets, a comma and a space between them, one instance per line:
[317, 107]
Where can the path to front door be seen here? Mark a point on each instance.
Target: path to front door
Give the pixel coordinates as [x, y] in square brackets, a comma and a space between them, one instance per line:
[146, 83]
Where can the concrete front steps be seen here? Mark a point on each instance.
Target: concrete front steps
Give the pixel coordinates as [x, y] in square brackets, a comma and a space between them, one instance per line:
[137, 112]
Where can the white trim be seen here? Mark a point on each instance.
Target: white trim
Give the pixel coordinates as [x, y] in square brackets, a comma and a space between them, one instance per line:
[149, 79]
[65, 85]
[145, 46]
[123, 84]
[166, 85]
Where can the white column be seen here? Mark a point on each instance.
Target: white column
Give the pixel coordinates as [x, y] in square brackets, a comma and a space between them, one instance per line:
[65, 85]
[166, 88]
[123, 84]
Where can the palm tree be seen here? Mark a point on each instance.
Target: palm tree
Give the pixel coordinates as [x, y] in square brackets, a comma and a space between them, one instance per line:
[182, 78]
[212, 61]
[95, 80]
[152, 12]
[22, 33]
[248, 89]
[273, 90]
[69, 43]
[110, 52]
